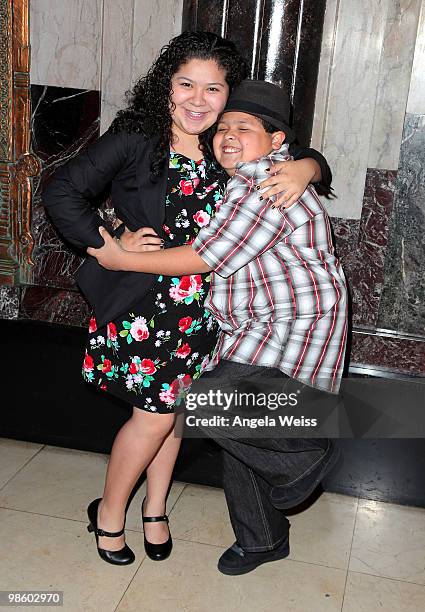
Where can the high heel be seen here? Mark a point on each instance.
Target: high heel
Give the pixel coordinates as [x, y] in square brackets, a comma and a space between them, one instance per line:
[124, 556]
[157, 552]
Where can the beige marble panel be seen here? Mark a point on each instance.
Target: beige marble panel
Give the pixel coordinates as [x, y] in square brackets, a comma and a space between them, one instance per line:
[188, 581]
[360, 29]
[41, 552]
[61, 482]
[14, 455]
[394, 81]
[201, 515]
[155, 23]
[416, 100]
[66, 43]
[323, 77]
[323, 533]
[389, 541]
[117, 57]
[365, 593]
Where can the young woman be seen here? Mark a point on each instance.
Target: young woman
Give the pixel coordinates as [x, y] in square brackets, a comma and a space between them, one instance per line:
[148, 339]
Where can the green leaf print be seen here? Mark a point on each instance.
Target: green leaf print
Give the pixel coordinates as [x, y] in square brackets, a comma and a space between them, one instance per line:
[126, 325]
[129, 339]
[124, 333]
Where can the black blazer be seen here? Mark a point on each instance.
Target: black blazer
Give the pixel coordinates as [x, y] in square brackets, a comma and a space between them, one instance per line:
[120, 162]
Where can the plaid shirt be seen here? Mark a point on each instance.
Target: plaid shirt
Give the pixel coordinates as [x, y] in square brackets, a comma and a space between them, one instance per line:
[278, 291]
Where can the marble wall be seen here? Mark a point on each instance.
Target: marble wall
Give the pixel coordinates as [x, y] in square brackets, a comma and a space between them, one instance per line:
[133, 33]
[363, 86]
[369, 121]
[85, 54]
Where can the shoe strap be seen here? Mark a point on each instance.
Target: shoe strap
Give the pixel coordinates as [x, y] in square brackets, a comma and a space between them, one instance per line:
[110, 534]
[155, 519]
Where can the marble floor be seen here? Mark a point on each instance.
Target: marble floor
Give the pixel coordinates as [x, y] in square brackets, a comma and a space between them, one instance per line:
[347, 554]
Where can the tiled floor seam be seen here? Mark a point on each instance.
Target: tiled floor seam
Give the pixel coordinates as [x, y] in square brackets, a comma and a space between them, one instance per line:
[129, 583]
[387, 578]
[22, 467]
[349, 554]
[223, 547]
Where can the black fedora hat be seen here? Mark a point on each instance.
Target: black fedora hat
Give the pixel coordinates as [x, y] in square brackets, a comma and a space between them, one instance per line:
[264, 100]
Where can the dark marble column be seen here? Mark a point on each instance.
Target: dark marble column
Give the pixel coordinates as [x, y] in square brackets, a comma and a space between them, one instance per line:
[281, 40]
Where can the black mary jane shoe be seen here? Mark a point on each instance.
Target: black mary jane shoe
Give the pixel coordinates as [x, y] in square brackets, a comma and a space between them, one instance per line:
[124, 556]
[157, 552]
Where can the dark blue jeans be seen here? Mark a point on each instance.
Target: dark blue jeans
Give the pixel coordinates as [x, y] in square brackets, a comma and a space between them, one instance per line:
[252, 467]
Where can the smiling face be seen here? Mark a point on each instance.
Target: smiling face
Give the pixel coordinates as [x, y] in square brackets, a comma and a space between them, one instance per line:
[242, 138]
[199, 93]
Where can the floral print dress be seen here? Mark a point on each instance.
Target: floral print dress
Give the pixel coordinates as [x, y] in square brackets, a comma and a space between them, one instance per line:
[150, 356]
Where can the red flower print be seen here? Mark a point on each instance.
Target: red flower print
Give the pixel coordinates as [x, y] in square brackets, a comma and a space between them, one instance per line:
[147, 366]
[92, 325]
[166, 229]
[107, 365]
[112, 331]
[185, 323]
[133, 368]
[186, 187]
[185, 283]
[201, 218]
[186, 380]
[175, 387]
[188, 286]
[103, 387]
[88, 364]
[183, 351]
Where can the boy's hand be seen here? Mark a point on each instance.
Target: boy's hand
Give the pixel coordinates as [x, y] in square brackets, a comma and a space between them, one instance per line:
[111, 256]
[144, 239]
[289, 179]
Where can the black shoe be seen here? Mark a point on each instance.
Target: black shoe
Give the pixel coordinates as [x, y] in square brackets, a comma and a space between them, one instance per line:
[157, 552]
[124, 556]
[284, 497]
[236, 561]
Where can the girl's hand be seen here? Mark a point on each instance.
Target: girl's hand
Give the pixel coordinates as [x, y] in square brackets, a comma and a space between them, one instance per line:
[144, 239]
[290, 179]
[111, 256]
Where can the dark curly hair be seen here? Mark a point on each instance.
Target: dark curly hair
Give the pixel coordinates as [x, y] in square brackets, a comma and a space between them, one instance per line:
[148, 111]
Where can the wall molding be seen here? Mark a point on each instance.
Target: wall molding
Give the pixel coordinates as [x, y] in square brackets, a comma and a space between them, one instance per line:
[17, 164]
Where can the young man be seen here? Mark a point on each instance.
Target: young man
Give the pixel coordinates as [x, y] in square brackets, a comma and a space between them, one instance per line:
[279, 295]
